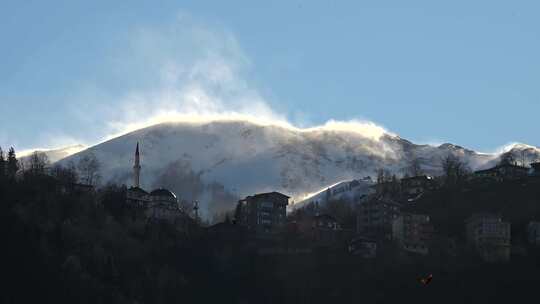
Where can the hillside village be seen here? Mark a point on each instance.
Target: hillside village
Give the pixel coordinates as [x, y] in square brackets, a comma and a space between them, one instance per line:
[455, 220]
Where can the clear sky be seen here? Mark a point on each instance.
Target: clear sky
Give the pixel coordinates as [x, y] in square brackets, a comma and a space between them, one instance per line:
[466, 72]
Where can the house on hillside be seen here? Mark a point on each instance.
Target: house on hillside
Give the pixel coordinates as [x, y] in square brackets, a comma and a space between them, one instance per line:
[490, 236]
[412, 186]
[503, 171]
[363, 247]
[413, 232]
[75, 188]
[263, 214]
[323, 229]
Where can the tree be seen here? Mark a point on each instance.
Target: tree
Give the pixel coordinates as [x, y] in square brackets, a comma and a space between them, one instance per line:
[507, 158]
[238, 213]
[383, 176]
[385, 181]
[414, 167]
[394, 185]
[2, 165]
[66, 175]
[88, 167]
[328, 194]
[454, 170]
[12, 165]
[113, 199]
[523, 158]
[37, 163]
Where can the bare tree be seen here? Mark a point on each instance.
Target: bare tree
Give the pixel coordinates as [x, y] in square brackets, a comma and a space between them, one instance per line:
[88, 167]
[414, 167]
[454, 170]
[383, 176]
[507, 158]
[37, 163]
[523, 158]
[387, 183]
[67, 175]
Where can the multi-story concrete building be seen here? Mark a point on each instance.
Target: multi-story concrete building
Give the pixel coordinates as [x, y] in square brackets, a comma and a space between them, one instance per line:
[263, 213]
[375, 217]
[413, 232]
[490, 236]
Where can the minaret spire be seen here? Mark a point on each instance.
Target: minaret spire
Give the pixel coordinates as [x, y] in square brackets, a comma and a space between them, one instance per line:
[136, 168]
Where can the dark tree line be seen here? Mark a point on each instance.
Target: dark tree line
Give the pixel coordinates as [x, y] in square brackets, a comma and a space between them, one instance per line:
[9, 165]
[87, 247]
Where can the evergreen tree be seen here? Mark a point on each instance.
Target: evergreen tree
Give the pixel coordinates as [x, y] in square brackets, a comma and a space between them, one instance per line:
[12, 165]
[2, 164]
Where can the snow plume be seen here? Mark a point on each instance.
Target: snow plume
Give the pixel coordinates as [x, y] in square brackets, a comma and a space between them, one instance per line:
[55, 144]
[197, 74]
[513, 146]
[186, 72]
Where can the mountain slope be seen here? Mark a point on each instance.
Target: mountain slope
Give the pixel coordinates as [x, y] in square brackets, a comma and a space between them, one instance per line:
[241, 158]
[54, 155]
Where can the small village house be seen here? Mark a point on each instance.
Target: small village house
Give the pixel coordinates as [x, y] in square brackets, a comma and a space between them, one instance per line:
[363, 247]
[323, 229]
[411, 186]
[504, 171]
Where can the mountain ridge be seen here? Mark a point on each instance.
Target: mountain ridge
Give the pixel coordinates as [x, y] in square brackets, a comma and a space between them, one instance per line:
[243, 158]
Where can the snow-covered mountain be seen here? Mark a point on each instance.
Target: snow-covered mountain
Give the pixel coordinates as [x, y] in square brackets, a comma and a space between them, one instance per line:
[54, 155]
[221, 160]
[349, 191]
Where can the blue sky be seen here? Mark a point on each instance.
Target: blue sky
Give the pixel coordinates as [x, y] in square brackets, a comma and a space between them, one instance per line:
[460, 72]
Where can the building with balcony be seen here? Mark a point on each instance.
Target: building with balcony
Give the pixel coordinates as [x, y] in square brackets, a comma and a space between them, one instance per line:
[375, 217]
[263, 213]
